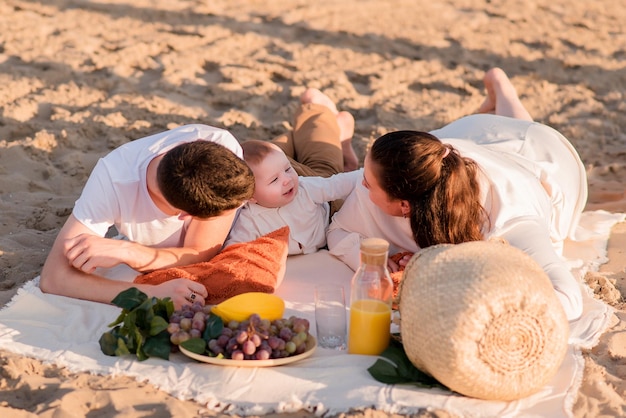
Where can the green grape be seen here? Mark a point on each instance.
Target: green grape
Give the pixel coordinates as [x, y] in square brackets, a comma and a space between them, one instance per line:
[185, 324]
[173, 327]
[179, 337]
[290, 347]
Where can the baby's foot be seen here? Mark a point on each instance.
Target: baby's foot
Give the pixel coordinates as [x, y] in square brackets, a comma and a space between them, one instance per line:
[312, 95]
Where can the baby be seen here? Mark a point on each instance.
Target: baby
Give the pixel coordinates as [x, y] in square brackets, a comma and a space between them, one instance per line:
[282, 198]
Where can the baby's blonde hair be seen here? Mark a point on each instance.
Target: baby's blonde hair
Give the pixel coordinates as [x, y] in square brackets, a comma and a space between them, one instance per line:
[255, 151]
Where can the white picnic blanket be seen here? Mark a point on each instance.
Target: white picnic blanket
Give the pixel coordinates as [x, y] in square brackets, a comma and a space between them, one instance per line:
[65, 332]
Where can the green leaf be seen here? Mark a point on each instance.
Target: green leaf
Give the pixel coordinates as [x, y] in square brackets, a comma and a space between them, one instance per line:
[122, 349]
[163, 307]
[137, 338]
[398, 369]
[158, 346]
[119, 319]
[141, 327]
[214, 327]
[385, 372]
[144, 314]
[157, 325]
[195, 345]
[129, 299]
[108, 343]
[141, 355]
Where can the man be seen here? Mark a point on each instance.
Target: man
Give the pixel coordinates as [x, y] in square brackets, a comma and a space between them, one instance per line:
[173, 195]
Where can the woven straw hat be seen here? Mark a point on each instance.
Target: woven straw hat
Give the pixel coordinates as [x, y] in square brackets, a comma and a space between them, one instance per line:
[483, 319]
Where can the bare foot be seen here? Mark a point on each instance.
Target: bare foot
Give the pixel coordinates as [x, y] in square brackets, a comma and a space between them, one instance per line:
[502, 98]
[489, 104]
[345, 120]
[312, 95]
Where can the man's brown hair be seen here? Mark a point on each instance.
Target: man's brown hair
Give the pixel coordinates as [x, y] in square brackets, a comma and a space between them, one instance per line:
[204, 179]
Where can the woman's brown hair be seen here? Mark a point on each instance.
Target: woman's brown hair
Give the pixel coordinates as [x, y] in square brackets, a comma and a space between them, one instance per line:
[440, 185]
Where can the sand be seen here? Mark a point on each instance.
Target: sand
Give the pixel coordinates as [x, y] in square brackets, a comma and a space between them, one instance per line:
[78, 78]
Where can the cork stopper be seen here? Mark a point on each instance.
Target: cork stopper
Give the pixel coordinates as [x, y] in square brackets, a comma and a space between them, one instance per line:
[374, 251]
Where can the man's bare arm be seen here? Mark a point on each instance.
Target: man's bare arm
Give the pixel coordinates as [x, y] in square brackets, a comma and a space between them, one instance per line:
[60, 277]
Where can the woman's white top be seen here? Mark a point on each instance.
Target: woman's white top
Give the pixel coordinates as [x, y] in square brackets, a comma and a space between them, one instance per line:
[533, 186]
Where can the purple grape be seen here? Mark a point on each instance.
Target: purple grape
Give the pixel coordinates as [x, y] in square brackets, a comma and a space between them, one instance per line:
[255, 320]
[285, 334]
[223, 340]
[232, 345]
[248, 347]
[281, 344]
[240, 336]
[300, 325]
[274, 342]
[256, 340]
[262, 355]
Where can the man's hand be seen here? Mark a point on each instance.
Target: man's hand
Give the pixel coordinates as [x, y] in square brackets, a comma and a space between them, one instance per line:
[179, 290]
[86, 252]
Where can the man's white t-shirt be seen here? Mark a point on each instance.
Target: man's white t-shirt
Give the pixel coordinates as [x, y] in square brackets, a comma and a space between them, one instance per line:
[116, 192]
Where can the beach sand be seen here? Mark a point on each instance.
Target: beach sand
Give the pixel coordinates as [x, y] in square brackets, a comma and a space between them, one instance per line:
[78, 78]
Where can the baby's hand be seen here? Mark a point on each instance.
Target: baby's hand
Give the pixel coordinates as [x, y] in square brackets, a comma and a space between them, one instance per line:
[398, 262]
[392, 266]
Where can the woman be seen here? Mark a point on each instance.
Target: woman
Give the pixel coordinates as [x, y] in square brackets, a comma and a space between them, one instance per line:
[483, 176]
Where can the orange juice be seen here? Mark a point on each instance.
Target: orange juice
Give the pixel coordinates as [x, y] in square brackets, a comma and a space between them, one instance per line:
[370, 320]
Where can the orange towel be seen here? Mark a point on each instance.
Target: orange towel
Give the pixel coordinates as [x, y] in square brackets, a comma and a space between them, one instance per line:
[256, 266]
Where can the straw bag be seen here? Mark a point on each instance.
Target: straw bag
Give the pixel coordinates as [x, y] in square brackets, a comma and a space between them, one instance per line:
[483, 319]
